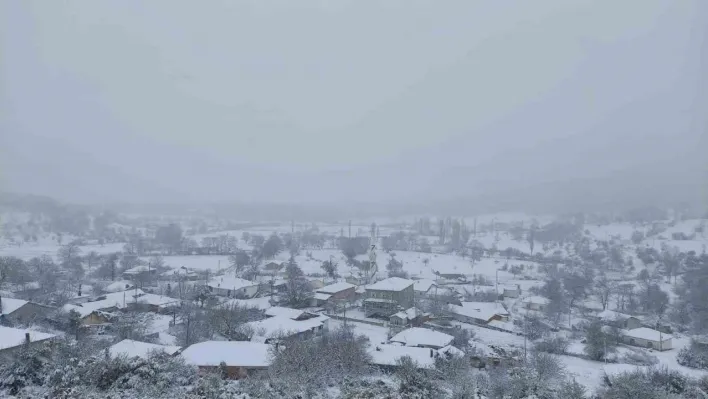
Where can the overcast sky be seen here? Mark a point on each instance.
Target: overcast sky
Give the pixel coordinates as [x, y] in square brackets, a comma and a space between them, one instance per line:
[171, 100]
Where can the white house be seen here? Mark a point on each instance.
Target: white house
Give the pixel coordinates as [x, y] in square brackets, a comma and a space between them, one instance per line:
[276, 328]
[130, 348]
[12, 339]
[232, 287]
[241, 358]
[648, 338]
[536, 303]
[388, 355]
[424, 287]
[422, 337]
[510, 291]
[619, 319]
[479, 312]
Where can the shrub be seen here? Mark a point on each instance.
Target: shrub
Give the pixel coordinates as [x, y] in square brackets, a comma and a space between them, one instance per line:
[639, 358]
[554, 345]
[694, 356]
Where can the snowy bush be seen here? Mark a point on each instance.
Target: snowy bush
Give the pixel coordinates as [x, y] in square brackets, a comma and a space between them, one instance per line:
[554, 345]
[367, 389]
[639, 358]
[695, 356]
[652, 383]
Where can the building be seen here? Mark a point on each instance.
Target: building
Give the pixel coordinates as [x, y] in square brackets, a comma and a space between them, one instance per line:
[14, 339]
[389, 296]
[648, 338]
[130, 348]
[334, 293]
[240, 358]
[139, 273]
[387, 357]
[339, 291]
[276, 328]
[409, 317]
[510, 291]
[233, 287]
[479, 312]
[423, 288]
[151, 302]
[20, 311]
[620, 320]
[180, 274]
[423, 338]
[538, 303]
[119, 286]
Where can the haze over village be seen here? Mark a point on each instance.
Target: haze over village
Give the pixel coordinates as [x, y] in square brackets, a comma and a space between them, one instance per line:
[348, 200]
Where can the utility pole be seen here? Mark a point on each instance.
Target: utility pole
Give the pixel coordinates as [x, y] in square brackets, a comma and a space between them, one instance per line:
[525, 334]
[350, 228]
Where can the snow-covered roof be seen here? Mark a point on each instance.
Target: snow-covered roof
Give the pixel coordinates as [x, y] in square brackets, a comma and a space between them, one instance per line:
[648, 334]
[230, 283]
[538, 300]
[275, 327]
[181, 271]
[451, 351]
[152, 299]
[391, 284]
[479, 310]
[118, 286]
[279, 311]
[611, 315]
[119, 300]
[387, 355]
[233, 353]
[138, 270]
[262, 303]
[131, 348]
[335, 288]
[417, 336]
[409, 314]
[321, 296]
[423, 285]
[10, 305]
[12, 337]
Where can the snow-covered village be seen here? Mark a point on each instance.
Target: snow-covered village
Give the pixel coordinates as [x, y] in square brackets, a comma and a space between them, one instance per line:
[395, 199]
[496, 306]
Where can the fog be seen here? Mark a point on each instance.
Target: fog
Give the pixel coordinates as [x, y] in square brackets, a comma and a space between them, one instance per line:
[546, 103]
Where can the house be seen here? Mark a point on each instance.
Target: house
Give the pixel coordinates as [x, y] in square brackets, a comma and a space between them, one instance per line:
[387, 356]
[409, 317]
[139, 272]
[389, 296]
[273, 267]
[98, 311]
[89, 316]
[510, 291]
[276, 328]
[240, 358]
[180, 274]
[20, 311]
[424, 287]
[333, 293]
[151, 302]
[119, 286]
[84, 293]
[339, 291]
[538, 303]
[621, 320]
[292, 314]
[648, 338]
[423, 338]
[14, 339]
[479, 312]
[232, 287]
[130, 348]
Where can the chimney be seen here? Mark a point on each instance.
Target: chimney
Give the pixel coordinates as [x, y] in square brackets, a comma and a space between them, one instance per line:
[27, 338]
